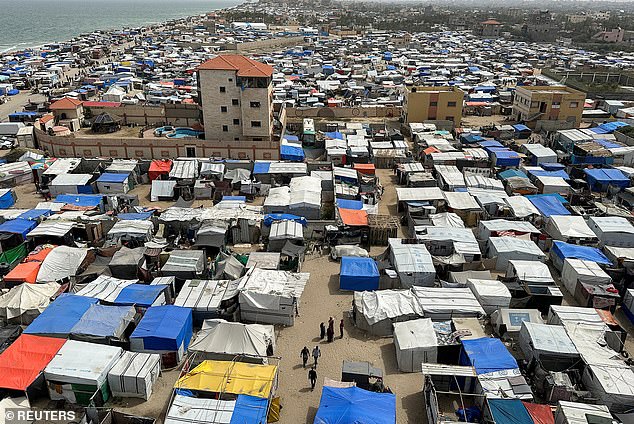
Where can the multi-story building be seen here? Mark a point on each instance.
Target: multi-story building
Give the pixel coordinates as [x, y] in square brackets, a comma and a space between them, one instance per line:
[236, 95]
[489, 28]
[548, 103]
[433, 104]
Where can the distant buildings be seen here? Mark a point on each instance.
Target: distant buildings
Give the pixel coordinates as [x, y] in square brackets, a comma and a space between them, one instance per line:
[615, 35]
[540, 27]
[548, 103]
[489, 28]
[236, 97]
[433, 104]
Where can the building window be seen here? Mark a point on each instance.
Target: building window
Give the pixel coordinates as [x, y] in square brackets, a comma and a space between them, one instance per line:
[235, 102]
[255, 104]
[574, 105]
[432, 104]
[451, 104]
[225, 128]
[236, 139]
[223, 90]
[190, 151]
[256, 124]
[257, 138]
[223, 109]
[236, 122]
[230, 79]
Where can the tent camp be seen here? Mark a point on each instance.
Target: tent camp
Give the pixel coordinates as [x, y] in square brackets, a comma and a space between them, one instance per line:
[492, 294]
[62, 262]
[233, 341]
[353, 404]
[413, 263]
[23, 303]
[549, 344]
[166, 330]
[506, 249]
[134, 375]
[358, 274]
[59, 318]
[487, 355]
[612, 230]
[79, 372]
[208, 298]
[415, 342]
[572, 229]
[377, 311]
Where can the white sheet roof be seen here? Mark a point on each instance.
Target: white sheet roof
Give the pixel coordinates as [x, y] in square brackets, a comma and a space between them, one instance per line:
[55, 228]
[521, 206]
[199, 411]
[274, 282]
[105, 288]
[531, 271]
[234, 338]
[61, 262]
[387, 304]
[184, 169]
[442, 302]
[82, 363]
[461, 200]
[206, 295]
[549, 338]
[26, 297]
[71, 180]
[572, 226]
[418, 194]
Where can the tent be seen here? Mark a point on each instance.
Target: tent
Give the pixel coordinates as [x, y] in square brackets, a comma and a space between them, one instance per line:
[441, 304]
[18, 226]
[579, 413]
[561, 251]
[548, 205]
[162, 190]
[25, 272]
[548, 343]
[509, 411]
[541, 414]
[292, 153]
[23, 361]
[508, 322]
[59, 318]
[207, 298]
[222, 340]
[159, 168]
[612, 230]
[377, 311]
[506, 249]
[7, 198]
[415, 342]
[71, 184]
[79, 372]
[103, 324]
[611, 384]
[245, 409]
[227, 377]
[164, 329]
[601, 179]
[142, 295]
[62, 262]
[285, 231]
[35, 214]
[131, 231]
[111, 183]
[487, 355]
[104, 288]
[82, 201]
[581, 271]
[413, 263]
[571, 228]
[492, 294]
[134, 375]
[185, 264]
[306, 203]
[212, 234]
[23, 303]
[358, 274]
[530, 272]
[353, 218]
[126, 262]
[355, 405]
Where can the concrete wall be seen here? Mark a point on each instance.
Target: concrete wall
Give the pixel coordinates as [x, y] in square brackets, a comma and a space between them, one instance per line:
[270, 44]
[343, 112]
[153, 148]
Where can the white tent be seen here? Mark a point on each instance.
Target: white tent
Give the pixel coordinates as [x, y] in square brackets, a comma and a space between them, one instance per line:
[579, 270]
[127, 230]
[283, 231]
[507, 249]
[25, 302]
[550, 185]
[135, 374]
[184, 169]
[613, 385]
[62, 262]
[114, 94]
[439, 303]
[227, 341]
[162, 190]
[521, 207]
[105, 288]
[80, 369]
[569, 228]
[612, 230]
[69, 184]
[305, 203]
[546, 342]
[487, 228]
[376, 311]
[204, 297]
[578, 413]
[492, 294]
[416, 343]
[185, 409]
[508, 322]
[277, 200]
[212, 233]
[531, 272]
[413, 263]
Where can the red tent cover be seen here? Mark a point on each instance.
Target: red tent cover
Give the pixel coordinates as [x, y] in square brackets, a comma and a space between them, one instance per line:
[353, 218]
[541, 414]
[158, 168]
[25, 359]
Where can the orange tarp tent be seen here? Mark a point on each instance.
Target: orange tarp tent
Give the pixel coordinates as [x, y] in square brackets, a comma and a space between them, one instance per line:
[364, 168]
[353, 218]
[39, 256]
[541, 414]
[158, 168]
[25, 272]
[25, 359]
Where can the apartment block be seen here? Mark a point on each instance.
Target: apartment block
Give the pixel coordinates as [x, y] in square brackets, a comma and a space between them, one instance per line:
[548, 103]
[433, 104]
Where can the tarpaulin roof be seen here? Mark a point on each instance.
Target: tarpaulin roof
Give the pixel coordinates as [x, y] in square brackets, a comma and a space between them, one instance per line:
[273, 217]
[25, 359]
[165, 328]
[350, 204]
[509, 411]
[250, 409]
[34, 214]
[353, 218]
[548, 205]
[335, 135]
[261, 167]
[544, 173]
[104, 321]
[358, 274]
[61, 315]
[607, 176]
[84, 200]
[487, 355]
[139, 294]
[18, 226]
[355, 405]
[158, 168]
[139, 216]
[520, 127]
[292, 153]
[108, 177]
[230, 377]
[510, 173]
[541, 414]
[26, 271]
[566, 250]
[552, 166]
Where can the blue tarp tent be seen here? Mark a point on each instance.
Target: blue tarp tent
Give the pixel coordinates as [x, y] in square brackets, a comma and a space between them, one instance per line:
[505, 158]
[291, 138]
[521, 128]
[548, 205]
[271, 218]
[234, 198]
[7, 199]
[350, 204]
[552, 166]
[249, 409]
[139, 294]
[486, 355]
[488, 144]
[358, 274]
[35, 214]
[565, 250]
[18, 226]
[600, 179]
[470, 138]
[59, 318]
[510, 173]
[351, 405]
[607, 144]
[109, 177]
[103, 321]
[261, 167]
[292, 153]
[164, 328]
[543, 173]
[139, 216]
[334, 134]
[84, 200]
[509, 411]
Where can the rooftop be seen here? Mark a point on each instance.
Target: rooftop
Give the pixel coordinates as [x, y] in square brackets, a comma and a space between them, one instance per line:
[65, 103]
[243, 65]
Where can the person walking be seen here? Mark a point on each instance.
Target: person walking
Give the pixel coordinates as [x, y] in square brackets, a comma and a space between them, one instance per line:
[341, 329]
[331, 323]
[316, 355]
[305, 353]
[331, 334]
[322, 331]
[312, 377]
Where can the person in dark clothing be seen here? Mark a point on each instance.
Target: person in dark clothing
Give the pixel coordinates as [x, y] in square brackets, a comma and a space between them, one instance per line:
[312, 376]
[331, 334]
[341, 329]
[331, 324]
[322, 331]
[305, 353]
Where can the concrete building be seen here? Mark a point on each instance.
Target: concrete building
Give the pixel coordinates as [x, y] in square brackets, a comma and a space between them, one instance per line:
[577, 18]
[433, 104]
[68, 112]
[540, 27]
[489, 28]
[236, 95]
[613, 36]
[548, 103]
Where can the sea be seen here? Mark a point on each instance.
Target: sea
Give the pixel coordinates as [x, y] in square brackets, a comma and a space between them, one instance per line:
[32, 23]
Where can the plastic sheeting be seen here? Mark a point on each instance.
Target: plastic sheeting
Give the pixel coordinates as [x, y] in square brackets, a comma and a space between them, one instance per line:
[62, 262]
[549, 206]
[134, 375]
[158, 168]
[355, 405]
[538, 339]
[566, 250]
[163, 328]
[105, 288]
[233, 338]
[60, 317]
[445, 303]
[492, 294]
[141, 295]
[509, 411]
[26, 301]
[540, 414]
[358, 274]
[487, 355]
[569, 227]
[102, 321]
[415, 342]
[18, 226]
[271, 218]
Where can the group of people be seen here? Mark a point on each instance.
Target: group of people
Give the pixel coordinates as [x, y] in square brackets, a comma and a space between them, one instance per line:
[330, 331]
[316, 353]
